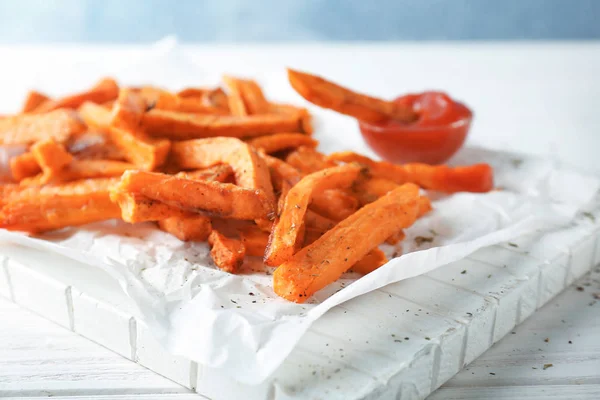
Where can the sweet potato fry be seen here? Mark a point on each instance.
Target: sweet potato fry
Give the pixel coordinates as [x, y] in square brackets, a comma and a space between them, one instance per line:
[163, 100]
[472, 178]
[95, 115]
[282, 141]
[191, 226]
[11, 192]
[253, 97]
[324, 261]
[334, 204]
[85, 169]
[227, 253]
[105, 90]
[308, 160]
[192, 92]
[255, 241]
[235, 100]
[183, 126]
[49, 212]
[291, 219]
[139, 208]
[311, 236]
[219, 199]
[34, 100]
[24, 166]
[362, 107]
[250, 170]
[58, 125]
[219, 173]
[369, 263]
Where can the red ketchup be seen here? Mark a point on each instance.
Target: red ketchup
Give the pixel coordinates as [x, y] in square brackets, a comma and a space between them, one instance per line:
[439, 131]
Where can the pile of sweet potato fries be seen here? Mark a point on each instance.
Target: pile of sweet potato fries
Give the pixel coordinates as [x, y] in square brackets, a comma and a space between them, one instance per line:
[222, 165]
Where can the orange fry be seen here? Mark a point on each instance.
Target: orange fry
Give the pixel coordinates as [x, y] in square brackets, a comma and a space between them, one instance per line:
[321, 263]
[58, 125]
[182, 126]
[190, 226]
[250, 170]
[299, 112]
[227, 253]
[128, 109]
[216, 98]
[362, 107]
[24, 166]
[49, 212]
[472, 178]
[291, 219]
[281, 172]
[95, 115]
[282, 141]
[308, 160]
[192, 92]
[94, 145]
[34, 100]
[395, 238]
[51, 156]
[105, 90]
[220, 199]
[334, 204]
[369, 190]
[369, 263]
[318, 222]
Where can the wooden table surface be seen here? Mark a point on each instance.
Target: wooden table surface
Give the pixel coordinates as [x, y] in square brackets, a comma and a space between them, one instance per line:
[556, 353]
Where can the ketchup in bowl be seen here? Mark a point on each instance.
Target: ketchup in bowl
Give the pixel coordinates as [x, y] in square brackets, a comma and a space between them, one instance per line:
[439, 131]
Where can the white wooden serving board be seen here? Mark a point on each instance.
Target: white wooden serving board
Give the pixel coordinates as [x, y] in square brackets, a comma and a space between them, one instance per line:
[402, 341]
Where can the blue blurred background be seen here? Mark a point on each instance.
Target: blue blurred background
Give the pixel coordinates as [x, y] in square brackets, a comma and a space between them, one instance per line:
[135, 21]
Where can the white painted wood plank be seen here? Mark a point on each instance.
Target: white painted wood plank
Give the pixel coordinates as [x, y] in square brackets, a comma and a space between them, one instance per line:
[554, 392]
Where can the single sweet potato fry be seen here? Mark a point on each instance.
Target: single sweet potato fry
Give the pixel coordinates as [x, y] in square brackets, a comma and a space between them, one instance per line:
[219, 199]
[85, 169]
[227, 253]
[12, 192]
[472, 178]
[324, 261]
[58, 125]
[216, 98]
[282, 141]
[369, 263]
[192, 92]
[33, 100]
[182, 126]
[24, 166]
[255, 241]
[49, 212]
[139, 208]
[291, 219]
[362, 107]
[105, 90]
[188, 227]
[334, 204]
[250, 169]
[308, 160]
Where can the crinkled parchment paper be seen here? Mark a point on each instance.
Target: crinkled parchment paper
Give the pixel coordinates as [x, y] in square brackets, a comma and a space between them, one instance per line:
[235, 322]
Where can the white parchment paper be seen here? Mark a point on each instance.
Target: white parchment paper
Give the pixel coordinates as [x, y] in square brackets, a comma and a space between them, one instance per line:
[235, 322]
